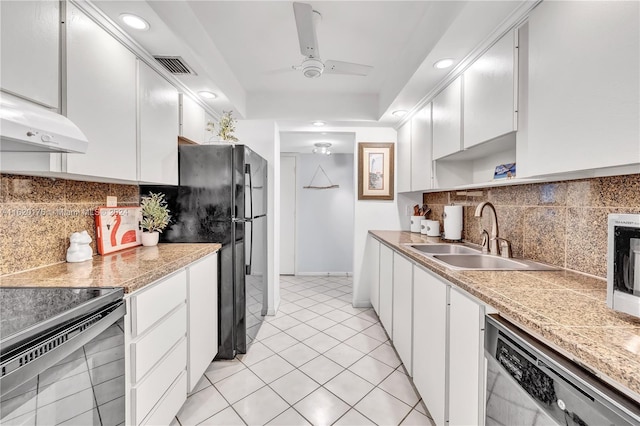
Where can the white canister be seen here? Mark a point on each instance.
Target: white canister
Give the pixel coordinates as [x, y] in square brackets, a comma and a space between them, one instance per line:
[430, 228]
[415, 223]
[452, 222]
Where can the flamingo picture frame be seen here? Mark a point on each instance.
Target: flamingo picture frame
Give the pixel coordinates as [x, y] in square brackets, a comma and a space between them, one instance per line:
[375, 171]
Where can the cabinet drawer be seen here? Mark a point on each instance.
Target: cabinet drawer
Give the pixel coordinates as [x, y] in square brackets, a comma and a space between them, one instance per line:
[146, 352]
[170, 404]
[146, 395]
[153, 304]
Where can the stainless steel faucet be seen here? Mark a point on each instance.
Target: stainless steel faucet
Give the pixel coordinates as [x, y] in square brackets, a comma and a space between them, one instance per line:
[493, 244]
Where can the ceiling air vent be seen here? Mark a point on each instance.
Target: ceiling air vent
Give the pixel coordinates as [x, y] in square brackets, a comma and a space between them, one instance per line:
[175, 65]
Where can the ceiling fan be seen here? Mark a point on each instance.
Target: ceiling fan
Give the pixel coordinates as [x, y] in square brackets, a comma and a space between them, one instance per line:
[312, 66]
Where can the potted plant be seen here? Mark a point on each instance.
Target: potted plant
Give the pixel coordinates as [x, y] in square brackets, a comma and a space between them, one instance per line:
[226, 125]
[155, 217]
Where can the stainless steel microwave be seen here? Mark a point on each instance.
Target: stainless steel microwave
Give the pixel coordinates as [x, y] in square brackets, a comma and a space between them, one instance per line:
[623, 263]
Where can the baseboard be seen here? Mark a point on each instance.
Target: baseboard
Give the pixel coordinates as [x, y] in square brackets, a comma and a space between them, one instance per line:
[362, 304]
[326, 274]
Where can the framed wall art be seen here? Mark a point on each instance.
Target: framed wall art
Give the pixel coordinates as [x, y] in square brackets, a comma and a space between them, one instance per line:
[375, 171]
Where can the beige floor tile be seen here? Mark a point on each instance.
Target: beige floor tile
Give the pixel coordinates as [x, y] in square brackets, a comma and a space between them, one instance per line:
[321, 369]
[289, 418]
[222, 369]
[294, 386]
[236, 387]
[201, 406]
[321, 407]
[271, 368]
[299, 354]
[399, 385]
[353, 418]
[371, 370]
[344, 355]
[260, 407]
[226, 417]
[382, 408]
[349, 387]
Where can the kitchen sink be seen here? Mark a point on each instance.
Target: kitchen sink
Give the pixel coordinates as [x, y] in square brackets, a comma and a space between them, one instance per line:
[463, 257]
[444, 249]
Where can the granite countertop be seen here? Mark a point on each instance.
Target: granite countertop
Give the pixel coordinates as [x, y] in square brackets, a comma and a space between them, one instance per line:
[130, 269]
[564, 309]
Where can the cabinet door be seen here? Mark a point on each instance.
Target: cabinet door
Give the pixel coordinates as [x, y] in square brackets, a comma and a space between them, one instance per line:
[101, 99]
[466, 360]
[489, 93]
[421, 163]
[193, 125]
[402, 309]
[386, 289]
[447, 124]
[583, 112]
[202, 297]
[430, 341]
[29, 37]
[403, 174]
[372, 269]
[158, 139]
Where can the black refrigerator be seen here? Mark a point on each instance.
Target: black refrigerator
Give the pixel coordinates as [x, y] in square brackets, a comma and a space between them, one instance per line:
[222, 198]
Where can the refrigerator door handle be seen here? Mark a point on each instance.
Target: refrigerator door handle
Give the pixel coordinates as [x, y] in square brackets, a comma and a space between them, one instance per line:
[247, 173]
[249, 261]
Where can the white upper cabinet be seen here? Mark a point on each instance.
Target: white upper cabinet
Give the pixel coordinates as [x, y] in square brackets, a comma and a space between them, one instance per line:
[489, 93]
[447, 120]
[101, 99]
[30, 39]
[583, 89]
[421, 163]
[192, 120]
[158, 126]
[403, 148]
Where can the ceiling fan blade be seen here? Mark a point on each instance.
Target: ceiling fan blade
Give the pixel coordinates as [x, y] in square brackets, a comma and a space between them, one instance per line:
[283, 70]
[340, 67]
[306, 29]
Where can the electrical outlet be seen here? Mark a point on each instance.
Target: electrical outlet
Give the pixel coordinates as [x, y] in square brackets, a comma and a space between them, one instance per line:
[112, 201]
[408, 210]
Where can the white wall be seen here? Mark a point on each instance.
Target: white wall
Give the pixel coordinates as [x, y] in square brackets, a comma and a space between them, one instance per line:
[376, 215]
[263, 136]
[325, 217]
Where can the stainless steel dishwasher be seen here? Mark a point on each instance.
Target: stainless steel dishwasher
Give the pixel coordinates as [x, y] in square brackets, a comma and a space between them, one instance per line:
[529, 383]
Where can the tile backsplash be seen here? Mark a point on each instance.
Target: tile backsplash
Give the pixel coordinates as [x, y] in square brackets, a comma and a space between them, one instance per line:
[38, 214]
[560, 223]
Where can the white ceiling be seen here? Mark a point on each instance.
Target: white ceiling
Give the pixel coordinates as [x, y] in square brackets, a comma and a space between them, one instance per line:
[303, 142]
[243, 50]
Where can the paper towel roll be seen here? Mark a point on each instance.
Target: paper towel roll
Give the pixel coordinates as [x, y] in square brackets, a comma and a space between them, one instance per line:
[452, 222]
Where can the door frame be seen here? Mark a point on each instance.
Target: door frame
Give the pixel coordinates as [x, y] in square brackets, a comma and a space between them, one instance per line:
[294, 156]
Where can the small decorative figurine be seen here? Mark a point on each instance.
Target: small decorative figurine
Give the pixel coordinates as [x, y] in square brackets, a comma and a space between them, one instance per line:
[79, 249]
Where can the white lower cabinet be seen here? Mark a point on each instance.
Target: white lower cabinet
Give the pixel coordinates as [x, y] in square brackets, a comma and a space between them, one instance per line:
[437, 330]
[430, 341]
[202, 296]
[402, 308]
[466, 360]
[386, 289]
[170, 334]
[372, 253]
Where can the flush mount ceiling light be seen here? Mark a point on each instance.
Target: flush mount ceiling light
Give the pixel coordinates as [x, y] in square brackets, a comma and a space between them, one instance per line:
[207, 95]
[318, 123]
[400, 113]
[134, 21]
[322, 148]
[443, 63]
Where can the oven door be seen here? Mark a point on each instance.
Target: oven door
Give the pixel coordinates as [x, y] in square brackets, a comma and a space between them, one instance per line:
[73, 375]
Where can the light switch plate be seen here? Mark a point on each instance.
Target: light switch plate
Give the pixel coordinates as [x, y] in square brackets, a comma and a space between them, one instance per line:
[112, 201]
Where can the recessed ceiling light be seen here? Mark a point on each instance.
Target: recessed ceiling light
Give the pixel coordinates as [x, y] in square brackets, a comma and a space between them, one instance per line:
[400, 113]
[443, 63]
[207, 95]
[134, 21]
[322, 148]
[319, 123]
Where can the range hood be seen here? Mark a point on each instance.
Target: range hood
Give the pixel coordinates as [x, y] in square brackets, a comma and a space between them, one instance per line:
[26, 127]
